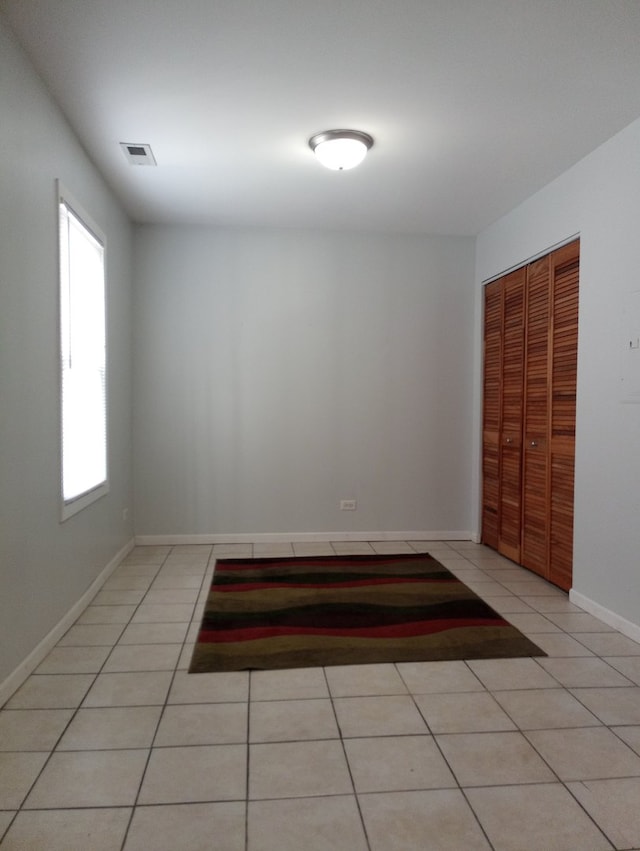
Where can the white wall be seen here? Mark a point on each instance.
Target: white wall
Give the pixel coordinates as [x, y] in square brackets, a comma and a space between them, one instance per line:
[278, 371]
[600, 199]
[46, 566]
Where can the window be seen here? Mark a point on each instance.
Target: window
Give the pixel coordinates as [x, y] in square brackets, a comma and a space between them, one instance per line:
[82, 359]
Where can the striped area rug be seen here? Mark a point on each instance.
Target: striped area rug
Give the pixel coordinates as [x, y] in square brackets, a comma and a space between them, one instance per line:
[301, 612]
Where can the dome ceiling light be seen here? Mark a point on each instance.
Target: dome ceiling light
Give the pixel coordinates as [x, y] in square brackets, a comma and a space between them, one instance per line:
[340, 149]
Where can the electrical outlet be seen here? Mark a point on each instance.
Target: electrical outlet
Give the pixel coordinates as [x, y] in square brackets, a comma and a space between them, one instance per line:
[348, 505]
[125, 514]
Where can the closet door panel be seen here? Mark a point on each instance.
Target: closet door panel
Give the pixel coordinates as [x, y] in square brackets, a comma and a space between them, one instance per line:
[563, 382]
[492, 394]
[510, 506]
[535, 492]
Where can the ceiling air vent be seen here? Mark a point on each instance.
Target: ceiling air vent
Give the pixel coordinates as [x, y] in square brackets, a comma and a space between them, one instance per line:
[138, 154]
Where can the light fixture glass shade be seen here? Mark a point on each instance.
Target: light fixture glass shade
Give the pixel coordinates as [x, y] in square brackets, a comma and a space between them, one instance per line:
[340, 149]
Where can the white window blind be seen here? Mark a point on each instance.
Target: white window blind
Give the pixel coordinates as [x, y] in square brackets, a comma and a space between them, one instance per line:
[83, 361]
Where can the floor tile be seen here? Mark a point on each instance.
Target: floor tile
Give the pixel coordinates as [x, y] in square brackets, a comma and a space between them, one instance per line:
[221, 687]
[509, 604]
[485, 588]
[499, 674]
[128, 581]
[142, 657]
[455, 561]
[593, 753]
[533, 588]
[129, 689]
[320, 824]
[192, 550]
[541, 709]
[438, 677]
[91, 635]
[387, 715]
[433, 547]
[89, 779]
[558, 644]
[475, 712]
[179, 571]
[154, 633]
[491, 759]
[392, 548]
[610, 644]
[106, 614]
[584, 672]
[613, 804]
[345, 548]
[188, 827]
[313, 549]
[467, 573]
[395, 763]
[532, 623]
[559, 603]
[5, 820]
[176, 581]
[275, 550]
[74, 660]
[51, 691]
[147, 554]
[118, 598]
[68, 830]
[163, 613]
[471, 547]
[630, 735]
[535, 818]
[578, 622]
[629, 666]
[438, 820]
[364, 680]
[289, 684]
[186, 560]
[18, 771]
[111, 727]
[612, 705]
[32, 729]
[195, 774]
[202, 724]
[232, 551]
[165, 596]
[298, 769]
[147, 571]
[292, 720]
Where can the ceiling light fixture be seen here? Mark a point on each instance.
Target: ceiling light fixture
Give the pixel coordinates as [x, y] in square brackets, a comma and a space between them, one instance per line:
[340, 149]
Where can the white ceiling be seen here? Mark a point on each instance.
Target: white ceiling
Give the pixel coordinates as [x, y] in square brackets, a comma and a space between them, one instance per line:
[473, 104]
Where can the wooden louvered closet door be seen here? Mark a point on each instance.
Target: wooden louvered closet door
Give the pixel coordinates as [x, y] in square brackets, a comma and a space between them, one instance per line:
[535, 525]
[564, 274]
[510, 502]
[502, 416]
[530, 368]
[491, 415]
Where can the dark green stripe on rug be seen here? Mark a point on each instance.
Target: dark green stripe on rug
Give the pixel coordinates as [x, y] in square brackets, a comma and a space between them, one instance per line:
[346, 610]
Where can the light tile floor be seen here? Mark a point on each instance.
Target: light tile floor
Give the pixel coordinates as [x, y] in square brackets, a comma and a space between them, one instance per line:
[112, 746]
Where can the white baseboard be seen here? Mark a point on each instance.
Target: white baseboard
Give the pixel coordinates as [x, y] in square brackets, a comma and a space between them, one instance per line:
[300, 537]
[13, 682]
[626, 627]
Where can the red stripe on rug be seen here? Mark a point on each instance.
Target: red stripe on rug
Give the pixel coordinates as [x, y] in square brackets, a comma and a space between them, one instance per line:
[391, 631]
